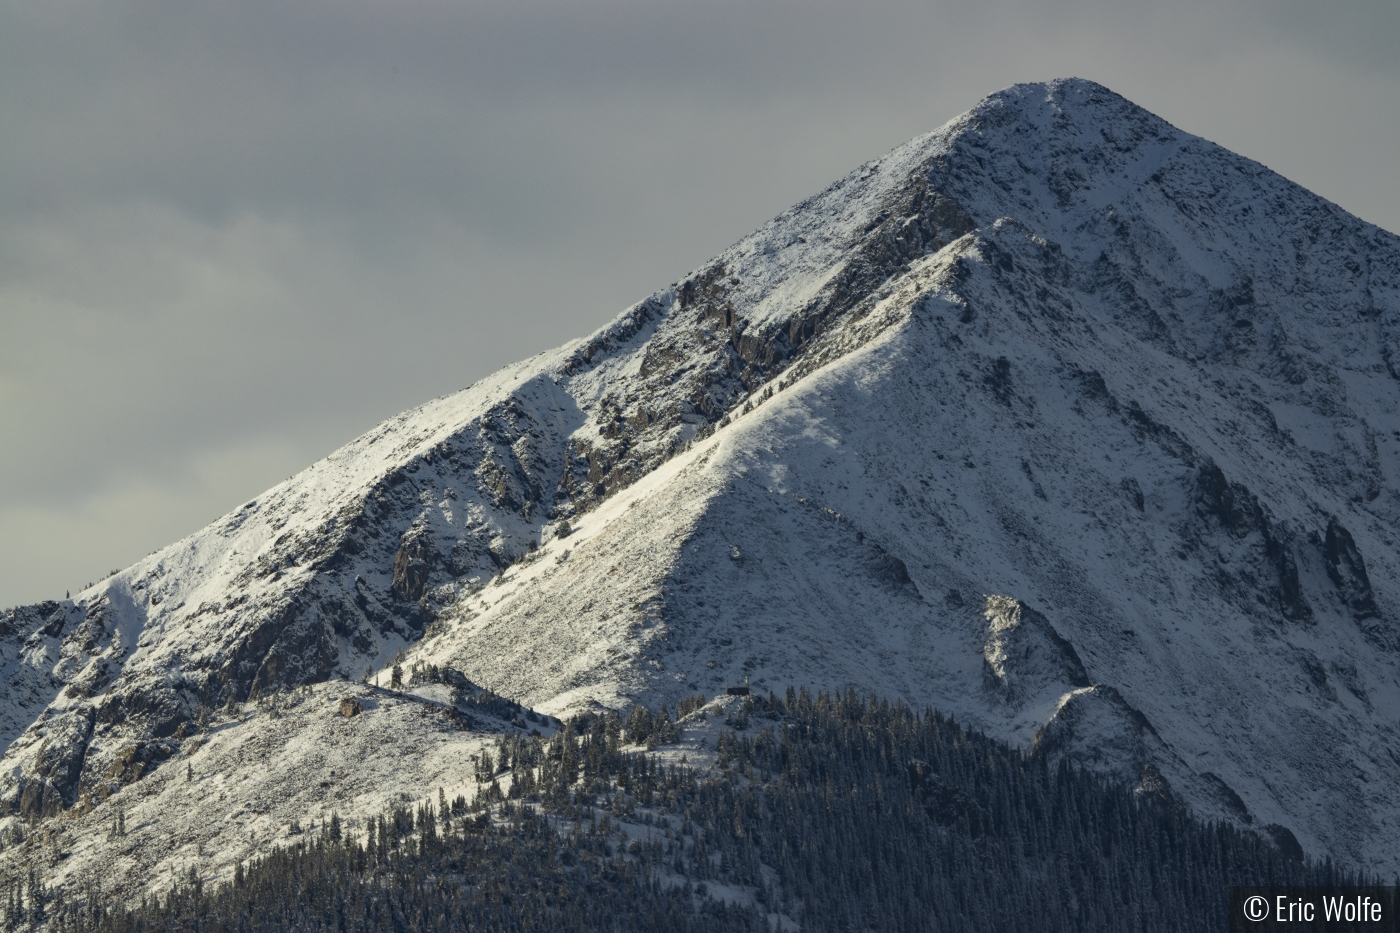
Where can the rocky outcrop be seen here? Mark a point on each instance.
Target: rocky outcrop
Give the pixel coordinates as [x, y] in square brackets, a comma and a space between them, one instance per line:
[1097, 729]
[1023, 656]
[138, 760]
[52, 784]
[412, 565]
[1268, 547]
[1348, 571]
[712, 354]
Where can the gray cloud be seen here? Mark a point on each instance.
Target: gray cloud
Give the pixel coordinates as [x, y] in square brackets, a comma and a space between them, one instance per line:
[233, 235]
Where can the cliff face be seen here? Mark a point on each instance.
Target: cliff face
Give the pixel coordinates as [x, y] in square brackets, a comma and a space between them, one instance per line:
[1137, 388]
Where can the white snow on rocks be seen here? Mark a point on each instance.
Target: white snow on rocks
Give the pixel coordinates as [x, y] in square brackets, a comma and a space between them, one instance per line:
[1137, 388]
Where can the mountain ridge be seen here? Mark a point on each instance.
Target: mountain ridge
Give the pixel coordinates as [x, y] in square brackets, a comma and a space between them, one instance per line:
[1138, 389]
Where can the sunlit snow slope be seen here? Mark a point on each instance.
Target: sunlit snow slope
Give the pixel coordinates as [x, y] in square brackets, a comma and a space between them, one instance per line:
[1064, 421]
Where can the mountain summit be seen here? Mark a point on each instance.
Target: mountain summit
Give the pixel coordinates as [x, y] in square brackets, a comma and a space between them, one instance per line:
[1066, 422]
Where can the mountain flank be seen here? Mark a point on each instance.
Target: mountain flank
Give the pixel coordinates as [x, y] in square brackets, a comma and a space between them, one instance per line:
[1058, 419]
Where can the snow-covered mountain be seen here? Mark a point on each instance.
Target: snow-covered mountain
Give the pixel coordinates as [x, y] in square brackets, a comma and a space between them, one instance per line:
[1059, 419]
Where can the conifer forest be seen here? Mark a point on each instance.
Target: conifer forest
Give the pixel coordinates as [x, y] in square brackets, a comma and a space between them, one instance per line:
[824, 813]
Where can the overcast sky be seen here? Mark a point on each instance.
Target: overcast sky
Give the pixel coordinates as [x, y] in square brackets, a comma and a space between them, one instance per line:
[236, 234]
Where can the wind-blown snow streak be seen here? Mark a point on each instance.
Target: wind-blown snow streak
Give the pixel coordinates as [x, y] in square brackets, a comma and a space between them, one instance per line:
[1141, 390]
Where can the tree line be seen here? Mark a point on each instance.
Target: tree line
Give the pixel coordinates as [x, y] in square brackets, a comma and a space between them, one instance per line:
[834, 812]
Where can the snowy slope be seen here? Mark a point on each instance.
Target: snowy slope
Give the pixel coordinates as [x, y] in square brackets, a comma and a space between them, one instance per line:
[1137, 388]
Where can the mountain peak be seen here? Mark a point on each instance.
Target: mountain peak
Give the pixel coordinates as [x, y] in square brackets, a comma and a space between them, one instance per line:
[1138, 387]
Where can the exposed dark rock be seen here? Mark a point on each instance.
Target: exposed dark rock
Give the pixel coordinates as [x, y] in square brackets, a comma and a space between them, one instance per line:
[1235, 509]
[885, 566]
[412, 565]
[136, 761]
[998, 379]
[1348, 571]
[1290, 589]
[39, 799]
[23, 622]
[161, 711]
[52, 785]
[721, 358]
[306, 651]
[1316, 674]
[1240, 513]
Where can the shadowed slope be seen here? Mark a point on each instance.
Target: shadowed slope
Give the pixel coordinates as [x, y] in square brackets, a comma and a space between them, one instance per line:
[1056, 351]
